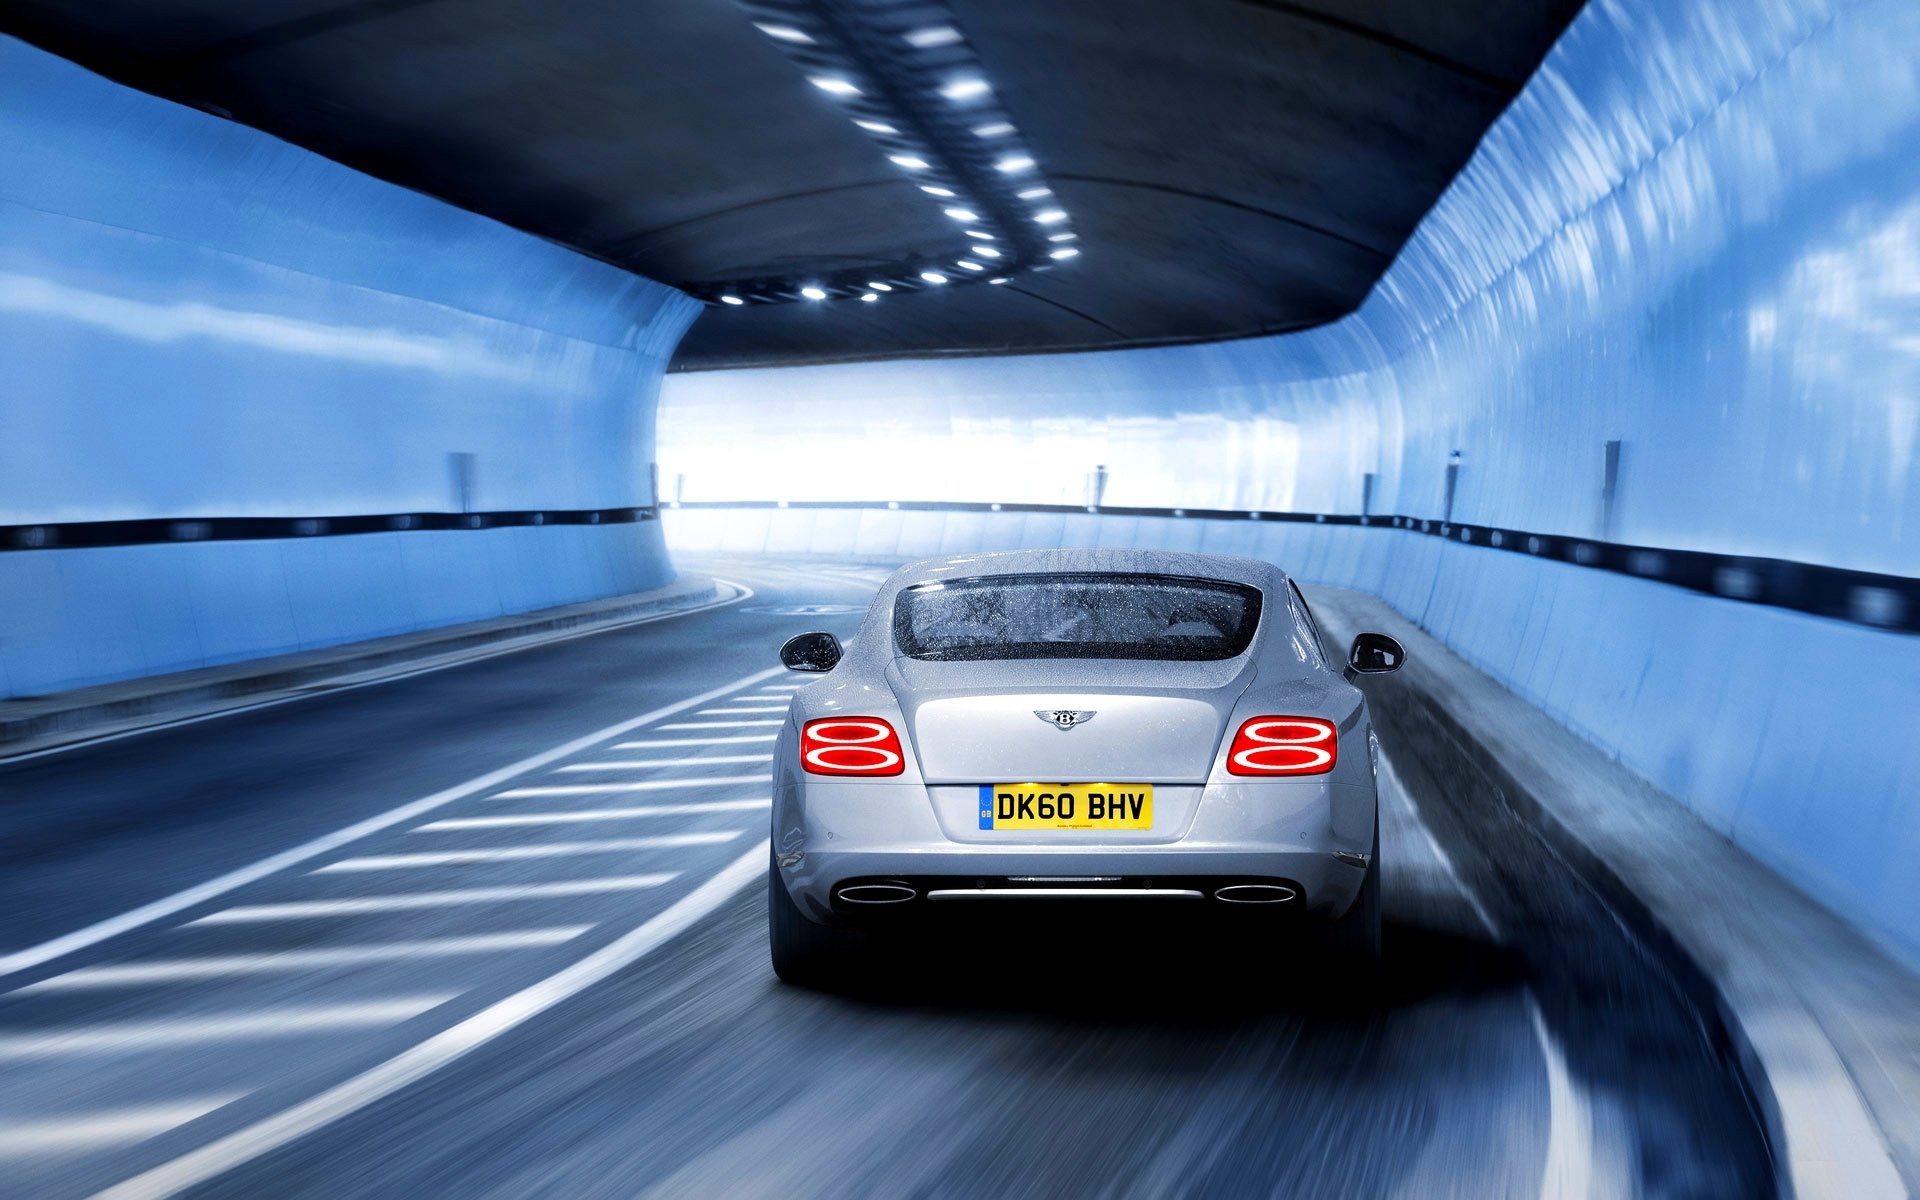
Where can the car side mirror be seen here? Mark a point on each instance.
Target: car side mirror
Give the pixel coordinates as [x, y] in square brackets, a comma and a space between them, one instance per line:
[1375, 654]
[811, 652]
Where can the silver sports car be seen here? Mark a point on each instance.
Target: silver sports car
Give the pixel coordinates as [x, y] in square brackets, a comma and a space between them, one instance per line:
[1074, 727]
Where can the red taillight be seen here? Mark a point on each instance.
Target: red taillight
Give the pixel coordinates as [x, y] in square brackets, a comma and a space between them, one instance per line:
[1284, 746]
[850, 746]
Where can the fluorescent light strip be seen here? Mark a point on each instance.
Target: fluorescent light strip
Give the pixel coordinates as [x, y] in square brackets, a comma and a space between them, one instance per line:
[931, 37]
[639, 764]
[49, 1136]
[638, 812]
[354, 906]
[456, 858]
[722, 725]
[750, 711]
[230, 965]
[293, 1020]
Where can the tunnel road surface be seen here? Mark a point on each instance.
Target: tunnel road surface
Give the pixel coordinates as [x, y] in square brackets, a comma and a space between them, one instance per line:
[498, 930]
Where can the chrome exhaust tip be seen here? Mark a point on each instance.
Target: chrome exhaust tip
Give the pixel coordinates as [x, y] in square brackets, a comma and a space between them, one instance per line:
[876, 893]
[1255, 893]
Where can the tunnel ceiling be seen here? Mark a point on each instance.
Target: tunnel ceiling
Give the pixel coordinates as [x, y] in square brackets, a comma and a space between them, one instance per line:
[1230, 167]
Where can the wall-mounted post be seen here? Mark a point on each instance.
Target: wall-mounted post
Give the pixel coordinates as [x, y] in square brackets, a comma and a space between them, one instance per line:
[460, 465]
[1453, 484]
[1609, 488]
[1096, 486]
[1366, 494]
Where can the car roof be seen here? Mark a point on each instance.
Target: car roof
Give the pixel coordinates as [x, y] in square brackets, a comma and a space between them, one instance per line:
[1226, 567]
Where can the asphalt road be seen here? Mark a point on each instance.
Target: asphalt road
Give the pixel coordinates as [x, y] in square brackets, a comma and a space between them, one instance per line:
[549, 977]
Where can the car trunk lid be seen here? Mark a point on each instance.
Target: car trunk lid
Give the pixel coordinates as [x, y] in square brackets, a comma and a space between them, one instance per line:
[995, 721]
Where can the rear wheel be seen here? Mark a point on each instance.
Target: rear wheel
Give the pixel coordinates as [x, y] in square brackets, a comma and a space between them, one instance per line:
[1354, 939]
[806, 952]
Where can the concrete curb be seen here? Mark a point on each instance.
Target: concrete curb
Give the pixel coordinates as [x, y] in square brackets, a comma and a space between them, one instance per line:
[1819, 1020]
[38, 724]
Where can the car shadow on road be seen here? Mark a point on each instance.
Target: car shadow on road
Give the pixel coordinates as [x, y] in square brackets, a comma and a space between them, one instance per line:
[1160, 973]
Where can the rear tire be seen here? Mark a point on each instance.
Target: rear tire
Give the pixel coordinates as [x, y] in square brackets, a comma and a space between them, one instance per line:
[805, 952]
[1353, 941]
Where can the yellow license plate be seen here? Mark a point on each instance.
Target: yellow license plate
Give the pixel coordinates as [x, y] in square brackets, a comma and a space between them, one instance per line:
[1066, 806]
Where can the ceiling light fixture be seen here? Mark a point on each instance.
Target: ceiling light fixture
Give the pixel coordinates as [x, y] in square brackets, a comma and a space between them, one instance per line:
[998, 279]
[965, 89]
[876, 127]
[1050, 216]
[970, 265]
[879, 287]
[1014, 164]
[986, 251]
[961, 214]
[1035, 193]
[982, 234]
[932, 36]
[834, 85]
[731, 300]
[943, 193]
[992, 129]
[869, 297]
[933, 277]
[785, 33]
[908, 161]
[1064, 237]
[1065, 252]
[813, 293]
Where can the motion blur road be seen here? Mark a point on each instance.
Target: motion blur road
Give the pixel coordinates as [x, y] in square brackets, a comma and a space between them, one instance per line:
[550, 977]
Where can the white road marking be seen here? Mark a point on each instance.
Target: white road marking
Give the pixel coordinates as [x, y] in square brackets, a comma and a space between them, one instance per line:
[132, 1037]
[597, 814]
[724, 725]
[646, 785]
[226, 966]
[662, 743]
[46, 1137]
[244, 1145]
[100, 931]
[298, 910]
[1569, 1171]
[454, 858]
[350, 680]
[636, 764]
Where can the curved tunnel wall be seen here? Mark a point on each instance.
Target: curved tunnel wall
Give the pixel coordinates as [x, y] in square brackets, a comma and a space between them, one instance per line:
[1694, 234]
[199, 322]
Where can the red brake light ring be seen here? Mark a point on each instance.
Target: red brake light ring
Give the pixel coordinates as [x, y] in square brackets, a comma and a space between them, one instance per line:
[851, 746]
[1284, 746]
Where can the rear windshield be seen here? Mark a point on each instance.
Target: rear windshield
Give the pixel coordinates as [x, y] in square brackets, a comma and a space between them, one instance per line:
[1082, 615]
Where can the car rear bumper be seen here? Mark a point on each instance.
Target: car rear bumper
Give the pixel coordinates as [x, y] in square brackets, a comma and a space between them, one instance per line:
[1313, 839]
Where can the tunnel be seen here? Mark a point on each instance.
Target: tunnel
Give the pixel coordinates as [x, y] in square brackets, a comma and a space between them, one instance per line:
[528, 531]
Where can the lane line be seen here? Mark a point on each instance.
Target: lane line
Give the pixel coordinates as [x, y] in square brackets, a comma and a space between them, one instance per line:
[636, 764]
[662, 743]
[725, 725]
[133, 1037]
[352, 906]
[100, 931]
[323, 687]
[645, 785]
[52, 1136]
[452, 858]
[244, 1145]
[225, 966]
[598, 814]
[1569, 1170]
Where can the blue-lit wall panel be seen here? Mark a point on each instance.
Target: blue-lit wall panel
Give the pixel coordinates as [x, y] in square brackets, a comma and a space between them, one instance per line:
[197, 320]
[1696, 232]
